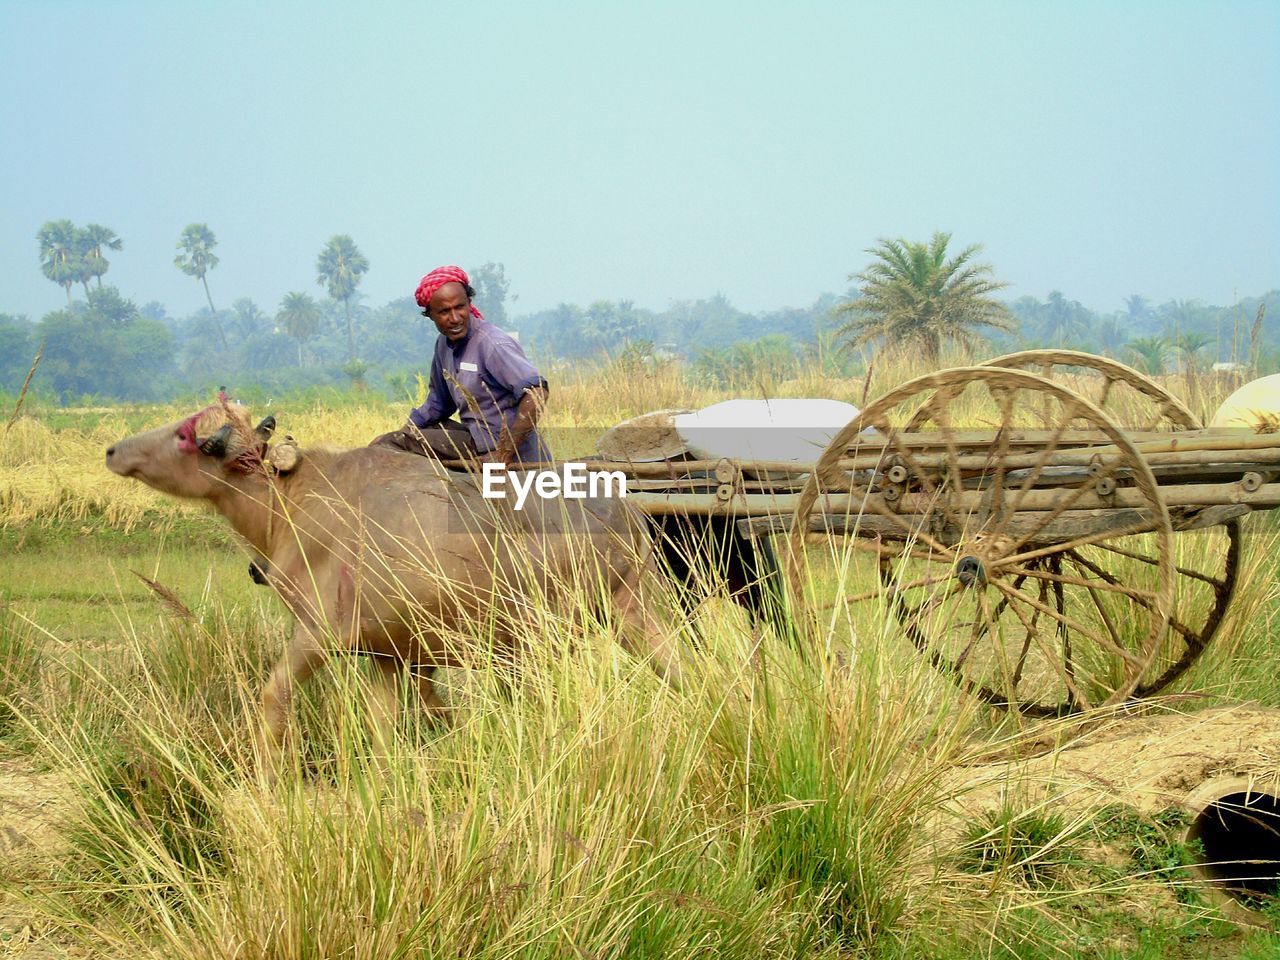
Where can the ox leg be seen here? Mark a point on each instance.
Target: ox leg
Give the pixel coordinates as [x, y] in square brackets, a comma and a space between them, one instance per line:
[303, 656]
[384, 704]
[642, 634]
[437, 710]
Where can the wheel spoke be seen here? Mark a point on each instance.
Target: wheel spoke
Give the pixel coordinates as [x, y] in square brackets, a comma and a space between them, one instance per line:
[873, 504]
[925, 413]
[1000, 608]
[894, 549]
[890, 588]
[1097, 603]
[980, 629]
[1034, 626]
[1022, 655]
[1107, 384]
[1072, 690]
[1038, 470]
[1111, 587]
[1185, 571]
[1060, 601]
[1187, 633]
[953, 455]
[1067, 622]
[1052, 515]
[1005, 403]
[928, 605]
[1144, 526]
[1011, 691]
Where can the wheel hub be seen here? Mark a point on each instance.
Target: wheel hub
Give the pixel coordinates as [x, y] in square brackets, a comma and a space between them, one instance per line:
[971, 571]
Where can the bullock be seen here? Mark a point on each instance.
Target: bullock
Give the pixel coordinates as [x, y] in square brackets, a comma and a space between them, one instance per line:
[381, 552]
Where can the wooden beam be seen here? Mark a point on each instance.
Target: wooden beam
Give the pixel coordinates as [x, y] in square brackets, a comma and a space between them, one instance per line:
[969, 501]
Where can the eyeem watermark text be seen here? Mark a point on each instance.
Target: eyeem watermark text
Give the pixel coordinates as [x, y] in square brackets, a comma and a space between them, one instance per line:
[574, 481]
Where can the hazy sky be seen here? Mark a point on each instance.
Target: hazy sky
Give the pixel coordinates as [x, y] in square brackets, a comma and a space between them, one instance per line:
[652, 152]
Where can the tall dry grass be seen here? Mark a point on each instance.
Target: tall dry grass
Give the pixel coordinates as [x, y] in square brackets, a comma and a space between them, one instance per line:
[775, 804]
[56, 475]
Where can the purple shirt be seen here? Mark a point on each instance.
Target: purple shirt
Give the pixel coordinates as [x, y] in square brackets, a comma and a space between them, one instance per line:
[483, 377]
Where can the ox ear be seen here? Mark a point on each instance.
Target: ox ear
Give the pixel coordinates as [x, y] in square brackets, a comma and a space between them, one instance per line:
[216, 445]
[266, 428]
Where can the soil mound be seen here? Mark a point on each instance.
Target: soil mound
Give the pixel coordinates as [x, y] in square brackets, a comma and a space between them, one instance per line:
[1149, 762]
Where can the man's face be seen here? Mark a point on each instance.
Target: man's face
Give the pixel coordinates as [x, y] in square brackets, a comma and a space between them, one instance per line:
[450, 311]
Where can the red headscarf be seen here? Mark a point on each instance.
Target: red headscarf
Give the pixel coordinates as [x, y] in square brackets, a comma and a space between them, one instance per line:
[436, 279]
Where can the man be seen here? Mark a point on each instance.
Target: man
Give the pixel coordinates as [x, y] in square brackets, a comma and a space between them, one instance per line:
[479, 372]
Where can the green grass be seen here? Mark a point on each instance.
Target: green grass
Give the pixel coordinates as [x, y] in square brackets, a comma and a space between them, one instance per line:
[1155, 845]
[20, 666]
[1035, 846]
[80, 585]
[774, 806]
[1240, 663]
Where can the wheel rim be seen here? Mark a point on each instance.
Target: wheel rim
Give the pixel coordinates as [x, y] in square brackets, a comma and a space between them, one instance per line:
[1206, 564]
[989, 552]
[1130, 398]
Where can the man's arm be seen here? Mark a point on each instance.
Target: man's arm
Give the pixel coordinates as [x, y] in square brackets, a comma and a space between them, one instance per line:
[527, 415]
[505, 364]
[439, 403]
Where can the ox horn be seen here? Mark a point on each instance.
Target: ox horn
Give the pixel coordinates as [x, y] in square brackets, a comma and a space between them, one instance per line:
[266, 428]
[216, 445]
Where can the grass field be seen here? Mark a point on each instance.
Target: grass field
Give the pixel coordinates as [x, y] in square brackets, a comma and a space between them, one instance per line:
[775, 805]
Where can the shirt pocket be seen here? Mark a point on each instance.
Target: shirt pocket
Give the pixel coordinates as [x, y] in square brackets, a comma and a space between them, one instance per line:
[470, 391]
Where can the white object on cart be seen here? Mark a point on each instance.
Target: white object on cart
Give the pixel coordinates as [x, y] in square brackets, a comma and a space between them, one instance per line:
[795, 430]
[1254, 407]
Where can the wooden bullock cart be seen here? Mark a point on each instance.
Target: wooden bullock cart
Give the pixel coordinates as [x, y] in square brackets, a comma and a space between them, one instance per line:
[1052, 529]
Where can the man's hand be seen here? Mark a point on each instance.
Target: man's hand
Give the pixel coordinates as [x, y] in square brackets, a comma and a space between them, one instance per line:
[500, 454]
[526, 418]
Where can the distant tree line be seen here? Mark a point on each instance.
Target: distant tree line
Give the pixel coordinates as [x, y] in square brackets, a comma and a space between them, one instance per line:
[686, 328]
[912, 296]
[1156, 339]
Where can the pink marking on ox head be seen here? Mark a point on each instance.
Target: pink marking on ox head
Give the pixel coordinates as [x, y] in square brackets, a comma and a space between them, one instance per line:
[187, 442]
[246, 448]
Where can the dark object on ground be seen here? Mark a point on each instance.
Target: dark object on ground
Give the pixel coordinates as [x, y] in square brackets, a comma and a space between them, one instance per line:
[700, 552]
[257, 574]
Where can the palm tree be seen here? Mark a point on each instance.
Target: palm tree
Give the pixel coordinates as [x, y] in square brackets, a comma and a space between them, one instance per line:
[340, 266]
[61, 258]
[1148, 354]
[1064, 320]
[1187, 345]
[197, 259]
[1137, 307]
[914, 297]
[299, 317]
[247, 319]
[96, 238]
[1184, 315]
[492, 287]
[1111, 336]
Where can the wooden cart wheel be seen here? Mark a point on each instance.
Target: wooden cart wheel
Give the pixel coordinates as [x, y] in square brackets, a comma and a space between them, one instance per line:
[1206, 561]
[1132, 399]
[1032, 565]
